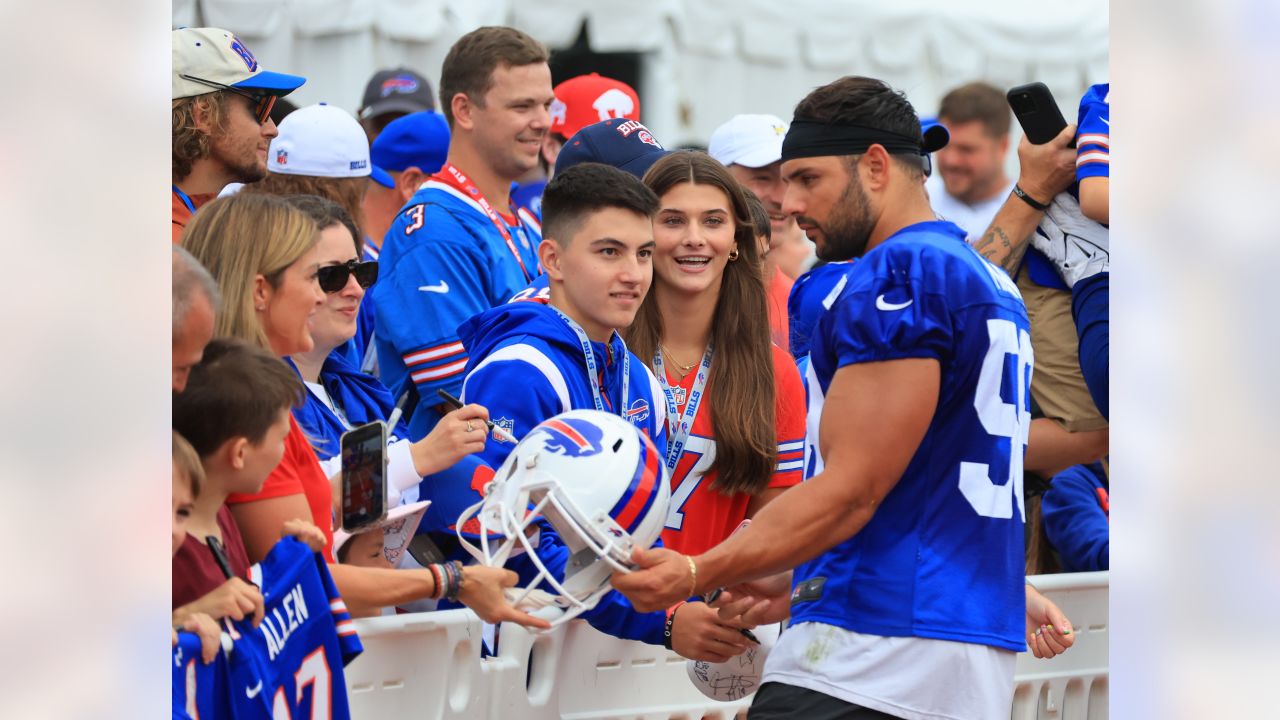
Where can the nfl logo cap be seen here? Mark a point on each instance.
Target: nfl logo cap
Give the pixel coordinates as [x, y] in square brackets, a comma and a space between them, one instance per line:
[398, 90]
[418, 140]
[219, 58]
[749, 140]
[624, 144]
[323, 141]
[589, 99]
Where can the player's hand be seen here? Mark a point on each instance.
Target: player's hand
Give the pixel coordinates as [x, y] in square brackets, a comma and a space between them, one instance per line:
[451, 440]
[1047, 169]
[234, 598]
[1049, 632]
[759, 602]
[698, 633]
[306, 531]
[482, 592]
[662, 580]
[209, 632]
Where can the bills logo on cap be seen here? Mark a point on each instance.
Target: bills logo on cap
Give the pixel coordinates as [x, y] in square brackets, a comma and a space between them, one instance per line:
[558, 111]
[359, 164]
[642, 132]
[613, 103]
[779, 130]
[638, 412]
[571, 437]
[238, 47]
[282, 157]
[399, 84]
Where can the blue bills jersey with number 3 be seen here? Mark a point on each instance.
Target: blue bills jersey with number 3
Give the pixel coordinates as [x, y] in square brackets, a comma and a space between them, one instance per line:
[943, 555]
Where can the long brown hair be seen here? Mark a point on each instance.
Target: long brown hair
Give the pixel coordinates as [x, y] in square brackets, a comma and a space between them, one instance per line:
[740, 389]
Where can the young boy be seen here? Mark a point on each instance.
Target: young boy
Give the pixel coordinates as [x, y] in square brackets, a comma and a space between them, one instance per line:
[532, 360]
[188, 478]
[235, 413]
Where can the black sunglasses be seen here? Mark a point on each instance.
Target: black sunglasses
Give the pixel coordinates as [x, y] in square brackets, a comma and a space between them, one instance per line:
[262, 102]
[334, 277]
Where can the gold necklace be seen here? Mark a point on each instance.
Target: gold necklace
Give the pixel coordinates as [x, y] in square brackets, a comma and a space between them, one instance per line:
[684, 369]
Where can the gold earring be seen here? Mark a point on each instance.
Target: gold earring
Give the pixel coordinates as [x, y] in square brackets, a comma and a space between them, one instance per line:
[733, 254]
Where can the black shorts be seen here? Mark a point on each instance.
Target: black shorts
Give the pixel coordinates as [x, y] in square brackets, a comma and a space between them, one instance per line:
[776, 701]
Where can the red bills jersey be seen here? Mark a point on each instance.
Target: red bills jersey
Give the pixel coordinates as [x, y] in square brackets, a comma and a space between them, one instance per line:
[700, 516]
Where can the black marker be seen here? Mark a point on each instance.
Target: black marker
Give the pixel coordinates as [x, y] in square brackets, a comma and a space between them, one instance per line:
[219, 555]
[498, 433]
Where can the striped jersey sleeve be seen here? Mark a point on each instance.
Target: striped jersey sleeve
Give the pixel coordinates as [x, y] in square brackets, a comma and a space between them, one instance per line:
[1093, 141]
[790, 419]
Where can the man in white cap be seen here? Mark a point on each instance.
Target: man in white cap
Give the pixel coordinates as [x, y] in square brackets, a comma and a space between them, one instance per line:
[751, 147]
[222, 125]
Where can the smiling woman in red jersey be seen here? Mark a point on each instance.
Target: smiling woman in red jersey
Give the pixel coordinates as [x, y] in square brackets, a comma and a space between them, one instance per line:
[736, 409]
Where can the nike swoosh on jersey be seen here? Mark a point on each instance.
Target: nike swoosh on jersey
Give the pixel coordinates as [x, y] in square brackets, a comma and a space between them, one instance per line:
[253, 691]
[442, 287]
[882, 304]
[1105, 121]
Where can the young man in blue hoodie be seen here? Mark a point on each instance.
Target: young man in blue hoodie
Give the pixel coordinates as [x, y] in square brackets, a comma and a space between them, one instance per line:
[532, 359]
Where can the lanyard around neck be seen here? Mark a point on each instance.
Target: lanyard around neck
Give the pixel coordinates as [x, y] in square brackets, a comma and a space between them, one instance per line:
[590, 357]
[186, 199]
[678, 435]
[452, 176]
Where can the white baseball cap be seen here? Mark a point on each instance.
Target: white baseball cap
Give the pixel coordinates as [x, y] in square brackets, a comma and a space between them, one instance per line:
[206, 60]
[323, 141]
[749, 140]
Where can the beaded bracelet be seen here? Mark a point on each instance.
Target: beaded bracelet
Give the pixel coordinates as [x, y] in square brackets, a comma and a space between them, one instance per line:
[456, 590]
[671, 619]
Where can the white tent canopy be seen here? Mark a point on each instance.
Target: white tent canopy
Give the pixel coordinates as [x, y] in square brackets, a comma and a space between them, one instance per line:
[703, 60]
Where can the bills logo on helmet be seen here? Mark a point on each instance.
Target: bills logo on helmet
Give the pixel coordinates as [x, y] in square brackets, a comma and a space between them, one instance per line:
[506, 424]
[571, 437]
[282, 157]
[399, 84]
[642, 132]
[238, 47]
[558, 111]
[638, 412]
[613, 103]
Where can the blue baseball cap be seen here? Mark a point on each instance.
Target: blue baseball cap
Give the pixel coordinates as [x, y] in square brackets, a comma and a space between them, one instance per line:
[418, 140]
[209, 59]
[619, 142]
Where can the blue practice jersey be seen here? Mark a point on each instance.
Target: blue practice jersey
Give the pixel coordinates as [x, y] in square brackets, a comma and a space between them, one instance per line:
[443, 260]
[199, 690]
[304, 640]
[943, 555]
[811, 295]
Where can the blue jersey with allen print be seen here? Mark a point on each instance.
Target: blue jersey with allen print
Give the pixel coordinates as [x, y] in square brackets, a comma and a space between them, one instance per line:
[199, 690]
[527, 364]
[943, 555]
[442, 261]
[296, 654]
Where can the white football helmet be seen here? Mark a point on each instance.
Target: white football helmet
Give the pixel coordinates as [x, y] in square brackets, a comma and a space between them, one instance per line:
[601, 484]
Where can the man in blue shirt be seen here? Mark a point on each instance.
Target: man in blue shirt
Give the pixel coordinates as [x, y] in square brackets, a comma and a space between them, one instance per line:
[908, 543]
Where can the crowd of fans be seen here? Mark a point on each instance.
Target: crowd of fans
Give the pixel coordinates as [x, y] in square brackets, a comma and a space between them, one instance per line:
[535, 249]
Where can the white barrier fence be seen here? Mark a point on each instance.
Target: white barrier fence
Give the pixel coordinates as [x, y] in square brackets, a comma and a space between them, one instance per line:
[428, 666]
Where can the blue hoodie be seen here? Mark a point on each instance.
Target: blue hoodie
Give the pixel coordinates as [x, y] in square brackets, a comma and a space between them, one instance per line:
[526, 364]
[1077, 518]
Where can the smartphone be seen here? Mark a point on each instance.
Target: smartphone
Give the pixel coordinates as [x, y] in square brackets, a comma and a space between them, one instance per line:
[364, 476]
[1037, 112]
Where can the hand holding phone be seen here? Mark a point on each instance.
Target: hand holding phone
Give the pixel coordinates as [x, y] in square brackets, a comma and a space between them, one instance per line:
[364, 476]
[1037, 112]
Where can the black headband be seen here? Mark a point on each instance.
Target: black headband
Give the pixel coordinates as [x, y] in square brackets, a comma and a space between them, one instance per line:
[810, 138]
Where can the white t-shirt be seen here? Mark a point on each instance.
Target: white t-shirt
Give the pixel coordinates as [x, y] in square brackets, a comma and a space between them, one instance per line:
[973, 218]
[908, 677]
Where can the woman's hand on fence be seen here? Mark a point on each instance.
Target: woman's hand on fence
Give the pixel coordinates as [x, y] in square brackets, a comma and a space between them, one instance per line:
[482, 591]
